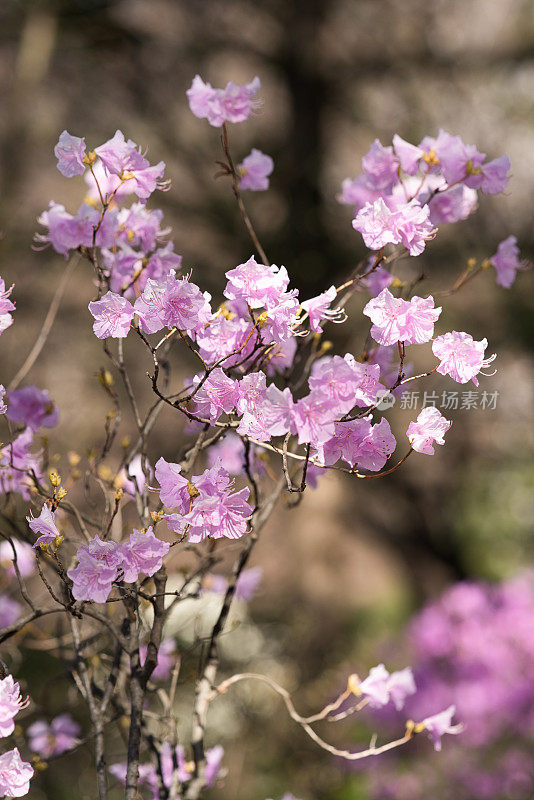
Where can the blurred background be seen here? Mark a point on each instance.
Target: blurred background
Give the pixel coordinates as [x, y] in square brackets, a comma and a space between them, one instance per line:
[346, 570]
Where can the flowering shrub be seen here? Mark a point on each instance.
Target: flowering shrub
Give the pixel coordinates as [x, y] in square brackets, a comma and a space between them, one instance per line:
[267, 413]
[473, 648]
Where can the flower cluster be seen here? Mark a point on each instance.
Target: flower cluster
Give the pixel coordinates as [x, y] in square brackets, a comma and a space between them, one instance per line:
[404, 190]
[232, 104]
[100, 563]
[173, 765]
[206, 504]
[473, 648]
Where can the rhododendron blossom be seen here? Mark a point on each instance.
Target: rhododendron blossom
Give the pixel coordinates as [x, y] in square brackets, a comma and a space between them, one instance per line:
[506, 261]
[15, 774]
[397, 223]
[318, 309]
[45, 524]
[397, 320]
[54, 738]
[6, 306]
[11, 702]
[32, 407]
[430, 427]
[232, 104]
[113, 316]
[461, 357]
[254, 171]
[70, 154]
[439, 725]
[142, 553]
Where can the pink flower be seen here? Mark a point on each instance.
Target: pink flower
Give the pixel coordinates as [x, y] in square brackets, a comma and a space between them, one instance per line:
[202, 96]
[44, 524]
[357, 192]
[273, 416]
[452, 205]
[167, 659]
[48, 740]
[70, 154]
[232, 104]
[11, 702]
[98, 566]
[214, 757]
[251, 392]
[25, 558]
[506, 261]
[380, 167]
[345, 382]
[10, 611]
[172, 303]
[132, 477]
[375, 686]
[378, 279]
[255, 284]
[15, 774]
[396, 320]
[184, 306]
[213, 510]
[224, 336]
[493, 177]
[254, 171]
[401, 684]
[430, 427]
[173, 486]
[318, 308]
[6, 306]
[461, 356]
[440, 724]
[222, 393]
[418, 320]
[67, 232]
[143, 552]
[16, 460]
[32, 407]
[409, 155]
[113, 316]
[380, 687]
[122, 158]
[376, 448]
[403, 223]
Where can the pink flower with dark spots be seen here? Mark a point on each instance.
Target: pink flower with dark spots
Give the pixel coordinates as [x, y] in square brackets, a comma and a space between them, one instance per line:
[113, 316]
